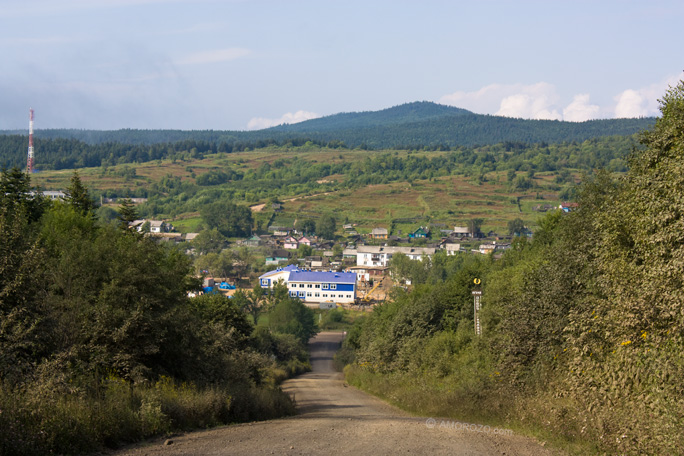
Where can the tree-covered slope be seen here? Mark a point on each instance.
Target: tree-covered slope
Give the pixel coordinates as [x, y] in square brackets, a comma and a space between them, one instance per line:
[410, 125]
[419, 111]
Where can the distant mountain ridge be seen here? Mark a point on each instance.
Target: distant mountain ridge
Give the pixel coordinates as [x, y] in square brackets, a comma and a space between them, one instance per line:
[417, 111]
[410, 125]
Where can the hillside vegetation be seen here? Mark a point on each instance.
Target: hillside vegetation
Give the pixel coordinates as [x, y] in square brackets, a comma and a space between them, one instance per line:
[100, 344]
[583, 326]
[497, 182]
[411, 125]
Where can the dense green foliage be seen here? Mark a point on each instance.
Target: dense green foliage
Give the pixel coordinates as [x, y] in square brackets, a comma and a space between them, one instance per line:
[100, 344]
[412, 125]
[583, 327]
[294, 176]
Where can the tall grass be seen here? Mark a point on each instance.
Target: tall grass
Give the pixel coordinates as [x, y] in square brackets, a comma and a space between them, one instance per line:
[37, 421]
[475, 399]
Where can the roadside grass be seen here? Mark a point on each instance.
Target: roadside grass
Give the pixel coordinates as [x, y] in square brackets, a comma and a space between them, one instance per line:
[36, 420]
[337, 319]
[469, 399]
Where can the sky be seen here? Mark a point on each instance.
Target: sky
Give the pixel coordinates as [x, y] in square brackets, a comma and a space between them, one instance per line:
[249, 64]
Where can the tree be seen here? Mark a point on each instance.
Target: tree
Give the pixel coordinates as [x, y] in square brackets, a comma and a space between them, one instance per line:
[308, 226]
[21, 275]
[304, 250]
[78, 197]
[127, 213]
[474, 226]
[210, 240]
[230, 219]
[252, 302]
[516, 226]
[326, 226]
[218, 264]
[291, 316]
[18, 197]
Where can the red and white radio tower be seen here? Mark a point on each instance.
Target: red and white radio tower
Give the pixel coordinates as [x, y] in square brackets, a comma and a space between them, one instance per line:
[29, 160]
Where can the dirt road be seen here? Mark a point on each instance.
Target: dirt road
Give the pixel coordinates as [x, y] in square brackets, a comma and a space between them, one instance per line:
[335, 419]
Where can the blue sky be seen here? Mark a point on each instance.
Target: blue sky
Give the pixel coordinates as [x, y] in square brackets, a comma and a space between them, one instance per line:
[245, 64]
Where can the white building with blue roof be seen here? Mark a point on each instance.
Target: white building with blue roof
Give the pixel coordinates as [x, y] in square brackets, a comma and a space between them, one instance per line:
[314, 286]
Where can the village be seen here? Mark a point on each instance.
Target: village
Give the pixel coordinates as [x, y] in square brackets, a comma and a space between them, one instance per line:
[351, 271]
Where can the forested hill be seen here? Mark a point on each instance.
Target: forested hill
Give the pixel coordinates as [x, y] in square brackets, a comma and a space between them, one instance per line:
[411, 125]
[419, 111]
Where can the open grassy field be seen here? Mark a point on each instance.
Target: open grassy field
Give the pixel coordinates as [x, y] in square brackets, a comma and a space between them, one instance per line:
[444, 201]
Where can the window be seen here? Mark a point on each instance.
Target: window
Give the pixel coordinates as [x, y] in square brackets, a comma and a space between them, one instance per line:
[318, 285]
[308, 293]
[349, 296]
[325, 286]
[301, 294]
[308, 285]
[264, 282]
[301, 285]
[333, 286]
[317, 295]
[293, 294]
[325, 295]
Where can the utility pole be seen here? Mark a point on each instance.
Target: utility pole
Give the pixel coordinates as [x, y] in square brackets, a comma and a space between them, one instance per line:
[477, 294]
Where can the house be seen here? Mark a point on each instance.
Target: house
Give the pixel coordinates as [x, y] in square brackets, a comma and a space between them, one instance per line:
[314, 261]
[370, 255]
[54, 195]
[490, 247]
[158, 226]
[290, 243]
[314, 287]
[421, 232]
[461, 231]
[451, 248]
[568, 207]
[277, 257]
[254, 241]
[366, 273]
[349, 253]
[379, 233]
[279, 230]
[304, 240]
[190, 236]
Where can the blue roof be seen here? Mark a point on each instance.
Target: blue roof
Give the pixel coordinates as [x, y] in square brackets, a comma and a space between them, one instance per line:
[299, 275]
[322, 276]
[289, 267]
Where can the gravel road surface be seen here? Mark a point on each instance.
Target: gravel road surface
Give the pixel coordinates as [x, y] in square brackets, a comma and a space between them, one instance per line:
[336, 419]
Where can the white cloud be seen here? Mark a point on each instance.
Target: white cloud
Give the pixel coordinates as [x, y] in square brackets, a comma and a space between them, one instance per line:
[485, 100]
[257, 123]
[541, 101]
[536, 101]
[214, 56]
[532, 101]
[642, 102]
[631, 103]
[580, 109]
